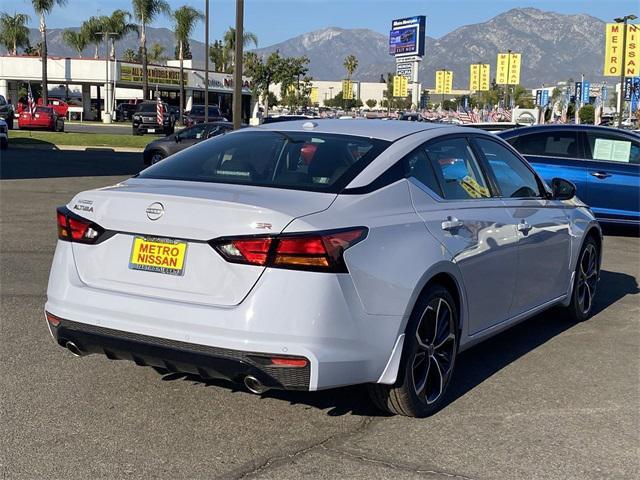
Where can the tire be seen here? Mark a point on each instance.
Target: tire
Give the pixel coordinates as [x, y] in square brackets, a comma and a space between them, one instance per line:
[135, 132]
[422, 385]
[10, 123]
[156, 156]
[586, 278]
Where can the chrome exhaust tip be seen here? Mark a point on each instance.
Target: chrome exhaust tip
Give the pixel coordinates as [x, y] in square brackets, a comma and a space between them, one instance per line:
[254, 385]
[73, 348]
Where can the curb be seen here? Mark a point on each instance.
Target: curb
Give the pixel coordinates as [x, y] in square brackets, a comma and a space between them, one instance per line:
[76, 148]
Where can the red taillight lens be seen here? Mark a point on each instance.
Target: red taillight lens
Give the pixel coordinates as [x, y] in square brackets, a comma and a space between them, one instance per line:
[316, 252]
[52, 319]
[289, 362]
[73, 228]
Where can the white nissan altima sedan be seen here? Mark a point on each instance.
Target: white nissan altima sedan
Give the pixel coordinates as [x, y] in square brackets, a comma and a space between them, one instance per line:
[312, 254]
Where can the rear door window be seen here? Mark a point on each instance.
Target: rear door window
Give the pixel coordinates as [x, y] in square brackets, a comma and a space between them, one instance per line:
[457, 169]
[612, 148]
[299, 160]
[549, 144]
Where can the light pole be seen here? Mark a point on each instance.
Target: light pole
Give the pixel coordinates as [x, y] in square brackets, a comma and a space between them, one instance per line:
[107, 98]
[237, 68]
[624, 20]
[206, 60]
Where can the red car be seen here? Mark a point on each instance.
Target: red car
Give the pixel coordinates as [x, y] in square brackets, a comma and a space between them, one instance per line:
[43, 117]
[59, 106]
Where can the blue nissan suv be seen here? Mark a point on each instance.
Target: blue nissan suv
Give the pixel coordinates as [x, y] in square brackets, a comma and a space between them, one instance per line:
[604, 164]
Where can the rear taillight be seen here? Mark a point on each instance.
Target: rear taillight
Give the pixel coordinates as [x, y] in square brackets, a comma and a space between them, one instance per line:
[322, 251]
[74, 228]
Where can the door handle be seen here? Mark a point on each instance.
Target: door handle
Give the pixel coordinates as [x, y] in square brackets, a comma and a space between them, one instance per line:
[600, 175]
[524, 227]
[451, 223]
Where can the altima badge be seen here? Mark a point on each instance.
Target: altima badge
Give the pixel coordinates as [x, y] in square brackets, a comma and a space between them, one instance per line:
[155, 211]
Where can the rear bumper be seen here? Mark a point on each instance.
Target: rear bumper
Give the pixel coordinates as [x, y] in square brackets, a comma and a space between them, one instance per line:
[312, 315]
[174, 356]
[145, 127]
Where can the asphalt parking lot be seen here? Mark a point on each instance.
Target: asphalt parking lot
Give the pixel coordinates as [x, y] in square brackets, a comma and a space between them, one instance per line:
[546, 400]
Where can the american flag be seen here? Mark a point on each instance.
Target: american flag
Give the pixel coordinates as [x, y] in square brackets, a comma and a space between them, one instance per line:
[31, 104]
[159, 108]
[463, 115]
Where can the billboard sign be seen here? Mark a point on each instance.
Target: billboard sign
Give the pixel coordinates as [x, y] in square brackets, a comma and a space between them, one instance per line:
[544, 100]
[578, 91]
[404, 70]
[407, 36]
[538, 97]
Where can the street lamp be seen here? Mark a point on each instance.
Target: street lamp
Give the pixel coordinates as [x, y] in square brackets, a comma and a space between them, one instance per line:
[237, 67]
[107, 100]
[624, 20]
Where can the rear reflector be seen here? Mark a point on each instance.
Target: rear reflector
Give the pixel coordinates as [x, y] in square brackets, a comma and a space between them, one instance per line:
[289, 362]
[321, 251]
[74, 228]
[52, 319]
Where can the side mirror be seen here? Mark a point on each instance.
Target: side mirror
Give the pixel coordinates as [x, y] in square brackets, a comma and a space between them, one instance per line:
[563, 189]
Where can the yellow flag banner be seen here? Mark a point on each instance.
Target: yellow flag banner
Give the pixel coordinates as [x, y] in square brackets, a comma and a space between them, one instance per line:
[444, 81]
[479, 77]
[314, 95]
[347, 90]
[508, 68]
[613, 50]
[400, 86]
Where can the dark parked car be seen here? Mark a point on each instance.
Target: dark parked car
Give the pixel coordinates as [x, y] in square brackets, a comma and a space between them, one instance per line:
[603, 163]
[286, 118]
[6, 112]
[163, 147]
[411, 117]
[145, 120]
[196, 115]
[124, 112]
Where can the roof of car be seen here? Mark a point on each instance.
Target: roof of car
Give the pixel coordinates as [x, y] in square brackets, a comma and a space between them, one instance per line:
[551, 127]
[384, 130]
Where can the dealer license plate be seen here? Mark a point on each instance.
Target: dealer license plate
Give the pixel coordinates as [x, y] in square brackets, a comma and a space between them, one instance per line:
[151, 130]
[160, 255]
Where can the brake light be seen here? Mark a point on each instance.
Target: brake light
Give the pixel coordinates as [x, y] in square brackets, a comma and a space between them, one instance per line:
[289, 362]
[74, 228]
[322, 251]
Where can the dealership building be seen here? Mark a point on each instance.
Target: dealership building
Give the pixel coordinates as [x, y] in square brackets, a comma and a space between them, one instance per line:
[90, 84]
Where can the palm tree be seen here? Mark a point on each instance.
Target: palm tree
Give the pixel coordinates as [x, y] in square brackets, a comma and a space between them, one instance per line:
[156, 52]
[14, 32]
[118, 27]
[229, 43]
[129, 55]
[75, 39]
[350, 64]
[43, 8]
[145, 11]
[92, 29]
[185, 20]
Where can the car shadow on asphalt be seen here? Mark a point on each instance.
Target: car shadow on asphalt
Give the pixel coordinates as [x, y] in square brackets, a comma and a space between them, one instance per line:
[474, 366]
[27, 163]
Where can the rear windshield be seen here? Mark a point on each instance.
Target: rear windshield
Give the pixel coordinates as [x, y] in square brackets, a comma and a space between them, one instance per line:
[299, 160]
[147, 107]
[213, 111]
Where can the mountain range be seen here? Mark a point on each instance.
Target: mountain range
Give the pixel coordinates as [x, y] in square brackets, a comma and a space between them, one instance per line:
[554, 47]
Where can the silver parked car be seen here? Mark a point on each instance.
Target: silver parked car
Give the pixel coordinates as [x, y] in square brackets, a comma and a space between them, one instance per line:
[309, 255]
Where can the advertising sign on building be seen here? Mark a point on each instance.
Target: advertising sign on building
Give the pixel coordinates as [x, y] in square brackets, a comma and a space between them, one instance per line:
[407, 36]
[508, 68]
[444, 81]
[479, 77]
[613, 50]
[161, 76]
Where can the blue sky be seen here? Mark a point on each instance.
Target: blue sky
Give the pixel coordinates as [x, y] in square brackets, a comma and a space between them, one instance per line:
[277, 20]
